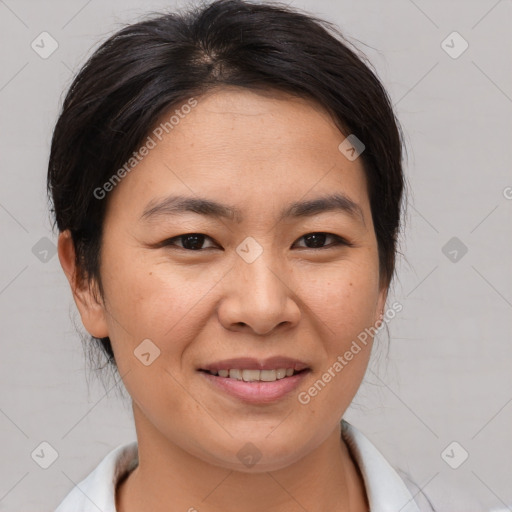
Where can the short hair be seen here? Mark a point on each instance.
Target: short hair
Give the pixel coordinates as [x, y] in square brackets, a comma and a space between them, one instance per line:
[146, 68]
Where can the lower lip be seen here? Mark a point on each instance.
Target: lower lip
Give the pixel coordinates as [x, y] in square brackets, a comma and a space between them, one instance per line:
[256, 392]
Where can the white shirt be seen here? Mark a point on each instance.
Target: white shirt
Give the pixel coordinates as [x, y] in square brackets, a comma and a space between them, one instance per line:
[386, 491]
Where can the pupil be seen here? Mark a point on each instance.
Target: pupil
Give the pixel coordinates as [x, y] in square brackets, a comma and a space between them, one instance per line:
[196, 242]
[318, 239]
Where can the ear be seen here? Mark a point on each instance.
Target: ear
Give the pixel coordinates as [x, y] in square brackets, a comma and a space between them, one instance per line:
[381, 303]
[85, 293]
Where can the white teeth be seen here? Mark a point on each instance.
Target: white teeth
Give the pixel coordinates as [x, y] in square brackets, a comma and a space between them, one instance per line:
[235, 374]
[281, 373]
[255, 375]
[250, 375]
[268, 375]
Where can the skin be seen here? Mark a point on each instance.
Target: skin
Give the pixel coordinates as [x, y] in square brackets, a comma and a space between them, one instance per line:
[258, 152]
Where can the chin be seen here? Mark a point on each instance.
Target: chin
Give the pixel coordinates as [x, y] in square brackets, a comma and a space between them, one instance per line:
[257, 455]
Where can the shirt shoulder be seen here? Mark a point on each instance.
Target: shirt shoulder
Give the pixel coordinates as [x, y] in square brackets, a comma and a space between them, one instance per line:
[386, 490]
[97, 490]
[390, 490]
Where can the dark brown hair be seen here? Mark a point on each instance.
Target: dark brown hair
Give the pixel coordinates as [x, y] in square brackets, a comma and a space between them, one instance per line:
[143, 70]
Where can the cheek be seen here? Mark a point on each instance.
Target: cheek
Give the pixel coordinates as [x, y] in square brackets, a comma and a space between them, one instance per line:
[345, 297]
[344, 305]
[151, 299]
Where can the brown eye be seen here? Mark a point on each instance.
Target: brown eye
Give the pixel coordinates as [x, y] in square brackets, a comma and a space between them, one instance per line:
[189, 241]
[317, 240]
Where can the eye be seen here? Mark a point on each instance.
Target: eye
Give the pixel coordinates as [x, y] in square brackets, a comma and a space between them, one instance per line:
[317, 240]
[189, 241]
[195, 241]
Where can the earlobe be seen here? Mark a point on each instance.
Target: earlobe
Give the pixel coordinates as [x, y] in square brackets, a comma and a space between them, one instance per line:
[85, 294]
[381, 303]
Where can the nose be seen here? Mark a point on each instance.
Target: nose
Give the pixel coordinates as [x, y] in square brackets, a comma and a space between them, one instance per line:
[258, 297]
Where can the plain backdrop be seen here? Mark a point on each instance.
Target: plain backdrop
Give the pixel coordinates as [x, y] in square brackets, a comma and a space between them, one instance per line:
[446, 377]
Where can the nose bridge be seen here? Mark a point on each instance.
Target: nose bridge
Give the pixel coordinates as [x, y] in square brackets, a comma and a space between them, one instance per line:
[258, 296]
[258, 277]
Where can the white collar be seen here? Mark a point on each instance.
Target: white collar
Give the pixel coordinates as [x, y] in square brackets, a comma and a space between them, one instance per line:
[385, 489]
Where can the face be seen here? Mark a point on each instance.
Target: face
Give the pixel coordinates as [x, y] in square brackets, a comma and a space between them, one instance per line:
[268, 280]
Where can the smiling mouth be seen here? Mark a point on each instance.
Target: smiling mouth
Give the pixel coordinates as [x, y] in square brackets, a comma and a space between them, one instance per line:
[255, 375]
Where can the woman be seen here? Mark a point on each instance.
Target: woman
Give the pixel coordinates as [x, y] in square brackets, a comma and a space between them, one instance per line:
[227, 184]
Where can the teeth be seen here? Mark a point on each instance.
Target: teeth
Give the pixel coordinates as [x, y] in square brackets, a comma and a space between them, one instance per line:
[281, 373]
[250, 375]
[268, 375]
[255, 375]
[235, 374]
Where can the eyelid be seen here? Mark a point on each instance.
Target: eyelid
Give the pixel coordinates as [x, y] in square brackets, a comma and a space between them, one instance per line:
[338, 241]
[169, 242]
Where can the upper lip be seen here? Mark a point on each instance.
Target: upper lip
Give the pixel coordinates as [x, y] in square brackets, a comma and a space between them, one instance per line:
[249, 363]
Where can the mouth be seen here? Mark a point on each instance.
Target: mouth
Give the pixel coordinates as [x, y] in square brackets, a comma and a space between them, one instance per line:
[255, 381]
[248, 375]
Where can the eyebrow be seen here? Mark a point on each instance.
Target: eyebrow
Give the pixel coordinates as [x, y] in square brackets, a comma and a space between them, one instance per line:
[176, 205]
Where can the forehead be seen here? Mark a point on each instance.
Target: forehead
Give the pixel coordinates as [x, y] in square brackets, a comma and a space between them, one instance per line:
[253, 148]
[260, 123]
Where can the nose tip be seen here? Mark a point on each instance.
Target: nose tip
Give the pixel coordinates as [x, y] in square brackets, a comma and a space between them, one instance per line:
[259, 299]
[260, 329]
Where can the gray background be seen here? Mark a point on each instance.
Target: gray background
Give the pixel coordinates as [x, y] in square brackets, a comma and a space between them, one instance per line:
[447, 376]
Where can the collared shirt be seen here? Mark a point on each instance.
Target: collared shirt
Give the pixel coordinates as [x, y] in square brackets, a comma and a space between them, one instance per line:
[386, 491]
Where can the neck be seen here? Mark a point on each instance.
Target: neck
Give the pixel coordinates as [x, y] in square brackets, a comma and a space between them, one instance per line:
[326, 479]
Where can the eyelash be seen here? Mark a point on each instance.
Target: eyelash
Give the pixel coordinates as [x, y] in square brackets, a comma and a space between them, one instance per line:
[338, 240]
